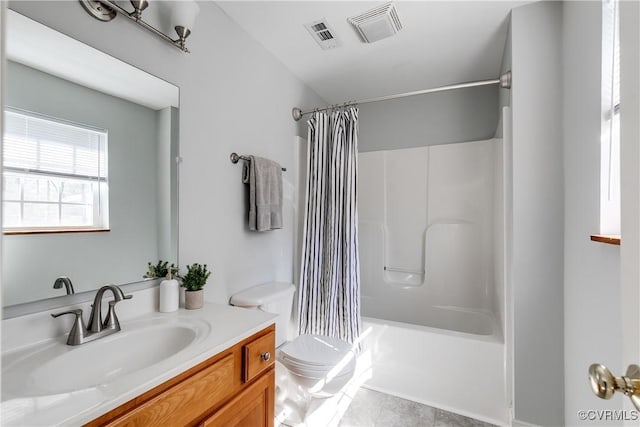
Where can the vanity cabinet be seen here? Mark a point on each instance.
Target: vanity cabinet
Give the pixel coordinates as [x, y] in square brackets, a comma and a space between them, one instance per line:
[235, 387]
[253, 407]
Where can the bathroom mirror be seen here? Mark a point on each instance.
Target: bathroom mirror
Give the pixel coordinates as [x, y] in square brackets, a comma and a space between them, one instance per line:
[89, 168]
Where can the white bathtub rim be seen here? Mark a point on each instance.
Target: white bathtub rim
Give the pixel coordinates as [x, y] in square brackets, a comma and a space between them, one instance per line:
[496, 337]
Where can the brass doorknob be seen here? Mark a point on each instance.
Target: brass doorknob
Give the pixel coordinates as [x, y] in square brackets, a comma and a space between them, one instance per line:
[604, 384]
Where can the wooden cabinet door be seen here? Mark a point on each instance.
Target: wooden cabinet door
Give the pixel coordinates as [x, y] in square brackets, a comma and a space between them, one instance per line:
[252, 408]
[186, 402]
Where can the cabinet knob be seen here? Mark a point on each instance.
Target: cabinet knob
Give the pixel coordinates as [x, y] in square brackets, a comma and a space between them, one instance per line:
[265, 356]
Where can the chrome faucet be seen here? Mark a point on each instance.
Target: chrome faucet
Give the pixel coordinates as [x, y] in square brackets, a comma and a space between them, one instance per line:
[64, 280]
[79, 333]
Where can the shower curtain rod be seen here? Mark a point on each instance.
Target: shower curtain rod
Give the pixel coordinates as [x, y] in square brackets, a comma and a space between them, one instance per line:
[504, 81]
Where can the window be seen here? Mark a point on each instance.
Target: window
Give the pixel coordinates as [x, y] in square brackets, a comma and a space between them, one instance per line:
[54, 175]
[610, 151]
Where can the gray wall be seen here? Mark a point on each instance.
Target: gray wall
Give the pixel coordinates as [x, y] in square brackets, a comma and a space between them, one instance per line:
[504, 95]
[234, 96]
[538, 214]
[592, 270]
[438, 118]
[32, 262]
[505, 218]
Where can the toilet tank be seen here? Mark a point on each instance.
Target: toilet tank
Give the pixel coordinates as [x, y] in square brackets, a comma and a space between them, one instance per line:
[272, 297]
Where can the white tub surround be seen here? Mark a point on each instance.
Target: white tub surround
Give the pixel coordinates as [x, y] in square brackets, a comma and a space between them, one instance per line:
[211, 330]
[426, 219]
[432, 261]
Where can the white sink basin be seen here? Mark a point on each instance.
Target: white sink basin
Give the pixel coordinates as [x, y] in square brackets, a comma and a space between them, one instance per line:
[54, 368]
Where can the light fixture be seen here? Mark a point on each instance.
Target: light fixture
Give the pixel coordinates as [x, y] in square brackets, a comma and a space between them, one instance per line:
[138, 7]
[183, 13]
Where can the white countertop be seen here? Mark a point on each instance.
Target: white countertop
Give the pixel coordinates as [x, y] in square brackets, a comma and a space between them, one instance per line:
[228, 326]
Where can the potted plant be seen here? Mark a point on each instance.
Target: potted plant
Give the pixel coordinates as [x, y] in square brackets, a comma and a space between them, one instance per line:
[193, 282]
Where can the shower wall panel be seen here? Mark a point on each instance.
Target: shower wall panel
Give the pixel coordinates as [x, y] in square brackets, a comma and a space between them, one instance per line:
[405, 214]
[426, 218]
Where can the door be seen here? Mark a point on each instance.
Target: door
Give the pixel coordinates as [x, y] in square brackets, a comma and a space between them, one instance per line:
[630, 192]
[630, 180]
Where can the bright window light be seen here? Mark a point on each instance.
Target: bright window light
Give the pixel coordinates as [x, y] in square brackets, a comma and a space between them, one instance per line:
[54, 175]
[610, 141]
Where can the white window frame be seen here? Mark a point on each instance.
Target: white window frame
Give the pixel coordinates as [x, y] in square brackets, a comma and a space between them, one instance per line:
[610, 136]
[99, 184]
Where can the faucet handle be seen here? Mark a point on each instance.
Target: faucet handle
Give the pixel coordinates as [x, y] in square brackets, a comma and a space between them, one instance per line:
[111, 321]
[77, 312]
[78, 330]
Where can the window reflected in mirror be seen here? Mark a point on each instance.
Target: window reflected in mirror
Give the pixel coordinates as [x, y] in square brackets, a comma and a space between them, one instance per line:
[54, 175]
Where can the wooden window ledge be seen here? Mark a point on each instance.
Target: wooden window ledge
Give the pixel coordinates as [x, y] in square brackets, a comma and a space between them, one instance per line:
[611, 239]
[57, 231]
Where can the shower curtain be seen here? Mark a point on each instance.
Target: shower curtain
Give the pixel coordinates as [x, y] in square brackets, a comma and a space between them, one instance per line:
[329, 294]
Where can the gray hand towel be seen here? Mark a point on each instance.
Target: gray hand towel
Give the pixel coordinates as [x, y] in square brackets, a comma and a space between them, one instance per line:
[264, 177]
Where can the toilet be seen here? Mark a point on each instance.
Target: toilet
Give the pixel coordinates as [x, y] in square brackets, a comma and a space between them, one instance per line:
[320, 366]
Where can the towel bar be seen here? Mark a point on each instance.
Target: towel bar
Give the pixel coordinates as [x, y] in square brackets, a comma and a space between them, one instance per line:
[235, 158]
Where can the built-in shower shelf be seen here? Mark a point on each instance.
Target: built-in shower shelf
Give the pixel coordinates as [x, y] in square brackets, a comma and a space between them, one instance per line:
[404, 270]
[611, 239]
[403, 276]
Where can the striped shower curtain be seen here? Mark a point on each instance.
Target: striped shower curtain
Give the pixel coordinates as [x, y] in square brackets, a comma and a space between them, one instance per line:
[329, 295]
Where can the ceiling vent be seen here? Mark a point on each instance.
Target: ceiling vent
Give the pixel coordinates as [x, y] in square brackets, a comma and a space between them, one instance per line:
[378, 23]
[323, 34]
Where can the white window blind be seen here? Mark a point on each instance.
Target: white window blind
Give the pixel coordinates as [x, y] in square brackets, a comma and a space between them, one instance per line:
[55, 174]
[36, 144]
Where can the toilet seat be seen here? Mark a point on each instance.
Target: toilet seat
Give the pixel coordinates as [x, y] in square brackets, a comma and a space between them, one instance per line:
[313, 356]
[315, 350]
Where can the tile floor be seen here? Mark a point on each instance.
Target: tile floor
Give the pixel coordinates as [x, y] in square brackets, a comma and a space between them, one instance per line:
[373, 409]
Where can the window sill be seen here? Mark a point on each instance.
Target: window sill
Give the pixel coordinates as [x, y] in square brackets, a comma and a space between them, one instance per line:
[58, 231]
[610, 239]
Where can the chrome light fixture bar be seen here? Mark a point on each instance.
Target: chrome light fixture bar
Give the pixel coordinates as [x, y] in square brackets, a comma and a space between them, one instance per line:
[106, 10]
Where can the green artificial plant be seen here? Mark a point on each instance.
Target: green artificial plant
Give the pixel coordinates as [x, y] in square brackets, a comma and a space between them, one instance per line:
[196, 277]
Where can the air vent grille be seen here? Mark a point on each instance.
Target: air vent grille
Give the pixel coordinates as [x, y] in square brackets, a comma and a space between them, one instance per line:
[322, 31]
[322, 34]
[378, 23]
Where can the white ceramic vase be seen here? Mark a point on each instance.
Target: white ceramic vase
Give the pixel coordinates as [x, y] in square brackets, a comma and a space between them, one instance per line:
[169, 295]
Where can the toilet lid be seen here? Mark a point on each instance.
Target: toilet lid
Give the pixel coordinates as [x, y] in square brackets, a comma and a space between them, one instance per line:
[316, 350]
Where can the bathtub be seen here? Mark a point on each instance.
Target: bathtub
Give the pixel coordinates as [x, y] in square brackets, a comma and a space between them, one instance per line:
[459, 368]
